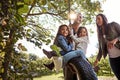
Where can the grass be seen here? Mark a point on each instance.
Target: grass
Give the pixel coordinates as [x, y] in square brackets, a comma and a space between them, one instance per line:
[59, 76]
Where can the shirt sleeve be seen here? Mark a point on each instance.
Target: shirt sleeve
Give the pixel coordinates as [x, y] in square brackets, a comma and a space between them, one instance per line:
[117, 28]
[64, 44]
[80, 39]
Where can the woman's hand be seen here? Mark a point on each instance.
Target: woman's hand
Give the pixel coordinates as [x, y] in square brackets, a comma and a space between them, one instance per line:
[110, 44]
[96, 63]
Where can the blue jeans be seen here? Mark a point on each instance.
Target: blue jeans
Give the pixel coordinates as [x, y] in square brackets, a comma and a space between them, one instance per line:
[73, 54]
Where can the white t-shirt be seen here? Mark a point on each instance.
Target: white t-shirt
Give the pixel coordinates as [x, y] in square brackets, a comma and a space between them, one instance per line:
[114, 52]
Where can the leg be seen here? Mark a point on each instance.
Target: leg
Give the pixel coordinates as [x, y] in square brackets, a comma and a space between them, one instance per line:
[115, 65]
[73, 54]
[58, 63]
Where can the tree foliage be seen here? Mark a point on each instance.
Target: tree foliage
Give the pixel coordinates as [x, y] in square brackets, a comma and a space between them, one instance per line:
[17, 22]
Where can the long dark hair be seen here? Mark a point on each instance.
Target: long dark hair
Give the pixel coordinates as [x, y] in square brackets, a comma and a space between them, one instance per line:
[102, 48]
[105, 22]
[58, 33]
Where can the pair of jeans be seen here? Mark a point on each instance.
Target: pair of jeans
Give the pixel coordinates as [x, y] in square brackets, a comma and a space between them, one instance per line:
[75, 53]
[115, 65]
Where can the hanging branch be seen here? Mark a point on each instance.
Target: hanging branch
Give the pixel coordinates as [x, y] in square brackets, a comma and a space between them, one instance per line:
[69, 12]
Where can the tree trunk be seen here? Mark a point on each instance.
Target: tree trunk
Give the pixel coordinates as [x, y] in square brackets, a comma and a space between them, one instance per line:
[6, 65]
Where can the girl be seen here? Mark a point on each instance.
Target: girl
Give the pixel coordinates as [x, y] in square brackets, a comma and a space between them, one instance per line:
[108, 35]
[82, 40]
[64, 41]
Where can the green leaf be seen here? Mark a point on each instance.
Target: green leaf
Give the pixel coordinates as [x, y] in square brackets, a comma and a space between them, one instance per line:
[19, 19]
[1, 70]
[48, 41]
[23, 9]
[2, 54]
[54, 5]
[43, 2]
[20, 5]
[28, 1]
[55, 48]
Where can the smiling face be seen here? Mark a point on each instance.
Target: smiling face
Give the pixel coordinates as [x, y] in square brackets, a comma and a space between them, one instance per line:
[64, 31]
[99, 20]
[82, 33]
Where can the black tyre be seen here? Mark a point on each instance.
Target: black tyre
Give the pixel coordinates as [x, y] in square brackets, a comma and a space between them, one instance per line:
[79, 69]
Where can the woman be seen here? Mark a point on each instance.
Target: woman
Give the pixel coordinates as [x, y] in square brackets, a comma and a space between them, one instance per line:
[64, 42]
[66, 47]
[108, 35]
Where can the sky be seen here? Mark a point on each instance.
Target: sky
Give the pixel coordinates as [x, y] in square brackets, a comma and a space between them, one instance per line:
[111, 10]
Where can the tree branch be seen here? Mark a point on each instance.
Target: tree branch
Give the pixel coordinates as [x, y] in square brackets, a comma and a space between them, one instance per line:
[46, 13]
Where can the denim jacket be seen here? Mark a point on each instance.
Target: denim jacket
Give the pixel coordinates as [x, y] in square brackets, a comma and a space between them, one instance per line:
[62, 42]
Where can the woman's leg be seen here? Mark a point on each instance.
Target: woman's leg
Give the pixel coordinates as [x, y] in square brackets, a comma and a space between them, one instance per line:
[115, 65]
[58, 63]
[73, 54]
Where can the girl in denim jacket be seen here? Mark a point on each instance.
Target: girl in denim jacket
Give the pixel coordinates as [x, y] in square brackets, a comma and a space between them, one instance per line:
[64, 42]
